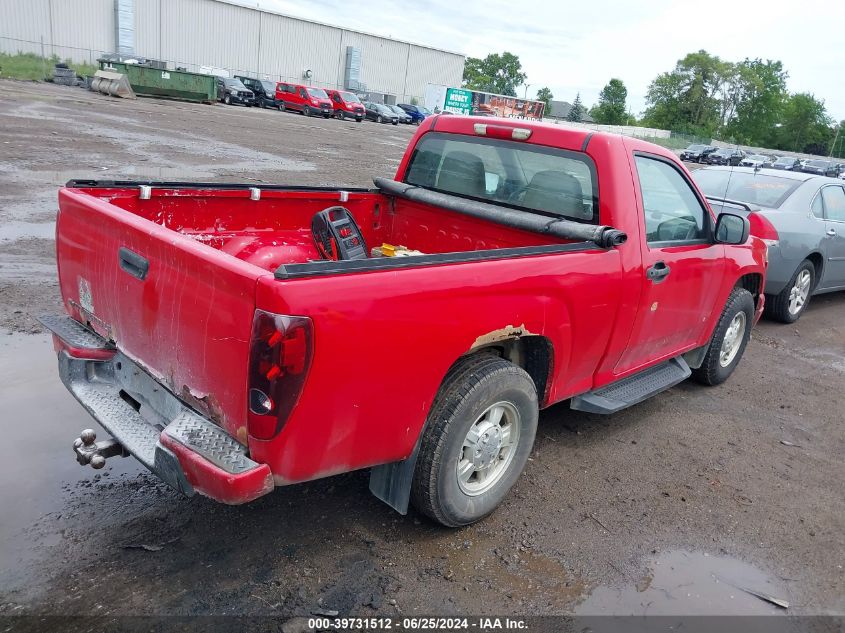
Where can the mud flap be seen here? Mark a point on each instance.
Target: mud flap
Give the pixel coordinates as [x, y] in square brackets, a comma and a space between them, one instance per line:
[392, 482]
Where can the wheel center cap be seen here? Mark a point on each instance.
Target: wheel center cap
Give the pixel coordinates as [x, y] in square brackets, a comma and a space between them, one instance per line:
[488, 447]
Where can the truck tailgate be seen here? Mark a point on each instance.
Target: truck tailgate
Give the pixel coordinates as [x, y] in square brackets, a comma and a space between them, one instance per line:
[180, 309]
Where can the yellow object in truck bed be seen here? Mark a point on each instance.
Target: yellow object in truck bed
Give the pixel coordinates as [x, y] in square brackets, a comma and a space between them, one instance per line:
[389, 250]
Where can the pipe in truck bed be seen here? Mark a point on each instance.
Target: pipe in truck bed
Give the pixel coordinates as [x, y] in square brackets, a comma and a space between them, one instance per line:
[603, 236]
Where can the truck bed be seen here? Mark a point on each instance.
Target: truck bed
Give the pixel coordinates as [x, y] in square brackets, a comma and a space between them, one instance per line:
[275, 229]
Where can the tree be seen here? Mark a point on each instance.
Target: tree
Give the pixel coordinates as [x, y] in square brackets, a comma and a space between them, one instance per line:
[759, 98]
[611, 108]
[687, 98]
[500, 74]
[545, 95]
[805, 125]
[577, 111]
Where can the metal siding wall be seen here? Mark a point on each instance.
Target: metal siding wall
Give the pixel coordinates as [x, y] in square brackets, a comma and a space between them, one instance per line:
[383, 62]
[237, 38]
[147, 33]
[428, 66]
[25, 20]
[290, 46]
[83, 24]
[226, 34]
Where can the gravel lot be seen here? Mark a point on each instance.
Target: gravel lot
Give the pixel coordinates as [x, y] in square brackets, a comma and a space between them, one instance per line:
[635, 512]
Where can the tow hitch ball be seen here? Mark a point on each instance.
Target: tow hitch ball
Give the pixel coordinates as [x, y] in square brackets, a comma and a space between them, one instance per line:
[89, 451]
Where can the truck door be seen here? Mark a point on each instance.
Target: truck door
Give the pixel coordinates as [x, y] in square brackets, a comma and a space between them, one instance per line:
[682, 267]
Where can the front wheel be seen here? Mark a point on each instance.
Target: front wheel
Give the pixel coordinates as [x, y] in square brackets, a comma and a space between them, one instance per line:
[281, 107]
[379, 119]
[729, 339]
[227, 100]
[476, 442]
[788, 305]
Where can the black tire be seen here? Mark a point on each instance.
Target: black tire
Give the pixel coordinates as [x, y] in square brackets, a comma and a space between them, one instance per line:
[327, 116]
[281, 107]
[396, 123]
[378, 119]
[359, 119]
[777, 306]
[227, 99]
[306, 111]
[712, 371]
[470, 389]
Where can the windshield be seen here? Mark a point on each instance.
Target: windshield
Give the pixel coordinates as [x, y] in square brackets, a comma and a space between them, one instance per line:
[423, 110]
[753, 188]
[554, 182]
[317, 93]
[349, 97]
[234, 83]
[269, 86]
[695, 148]
[724, 152]
[817, 163]
[757, 157]
[785, 161]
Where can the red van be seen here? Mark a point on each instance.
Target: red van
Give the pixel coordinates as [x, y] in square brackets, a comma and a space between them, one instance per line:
[306, 100]
[346, 105]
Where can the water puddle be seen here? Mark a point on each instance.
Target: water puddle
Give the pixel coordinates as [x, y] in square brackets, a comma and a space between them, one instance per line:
[689, 583]
[12, 231]
[39, 474]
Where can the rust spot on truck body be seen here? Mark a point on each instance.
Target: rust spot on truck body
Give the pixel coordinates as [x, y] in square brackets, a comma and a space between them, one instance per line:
[507, 333]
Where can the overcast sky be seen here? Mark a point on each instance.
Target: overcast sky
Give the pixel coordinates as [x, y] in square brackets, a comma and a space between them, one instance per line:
[577, 47]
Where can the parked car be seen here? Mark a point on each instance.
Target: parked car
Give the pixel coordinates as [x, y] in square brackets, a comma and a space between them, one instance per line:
[380, 113]
[346, 105]
[725, 156]
[404, 117]
[821, 168]
[787, 163]
[263, 90]
[696, 151]
[758, 161]
[802, 219]
[306, 100]
[418, 113]
[227, 365]
[231, 91]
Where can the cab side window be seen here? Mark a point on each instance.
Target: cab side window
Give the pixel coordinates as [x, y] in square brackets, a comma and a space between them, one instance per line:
[673, 213]
[834, 203]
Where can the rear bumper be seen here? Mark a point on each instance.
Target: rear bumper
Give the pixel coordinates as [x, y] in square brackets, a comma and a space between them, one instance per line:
[184, 449]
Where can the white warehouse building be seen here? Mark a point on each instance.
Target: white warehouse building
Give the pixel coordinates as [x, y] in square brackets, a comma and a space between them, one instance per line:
[193, 34]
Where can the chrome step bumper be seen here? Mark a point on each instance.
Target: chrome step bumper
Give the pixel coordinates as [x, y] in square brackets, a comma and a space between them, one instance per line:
[186, 450]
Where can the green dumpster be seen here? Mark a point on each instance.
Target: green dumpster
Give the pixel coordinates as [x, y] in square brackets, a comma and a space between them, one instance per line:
[173, 84]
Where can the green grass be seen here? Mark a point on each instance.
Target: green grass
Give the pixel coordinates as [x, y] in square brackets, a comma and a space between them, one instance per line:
[37, 68]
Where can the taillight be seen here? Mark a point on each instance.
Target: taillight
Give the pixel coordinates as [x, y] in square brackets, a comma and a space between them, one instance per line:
[761, 227]
[279, 358]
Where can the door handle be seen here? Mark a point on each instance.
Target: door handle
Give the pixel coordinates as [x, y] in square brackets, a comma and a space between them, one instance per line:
[133, 263]
[658, 272]
[831, 232]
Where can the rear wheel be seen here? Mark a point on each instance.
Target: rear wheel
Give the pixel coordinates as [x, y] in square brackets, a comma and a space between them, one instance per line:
[729, 339]
[476, 442]
[790, 303]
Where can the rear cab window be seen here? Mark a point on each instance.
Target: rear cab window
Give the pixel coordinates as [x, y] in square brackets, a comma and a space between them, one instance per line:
[534, 178]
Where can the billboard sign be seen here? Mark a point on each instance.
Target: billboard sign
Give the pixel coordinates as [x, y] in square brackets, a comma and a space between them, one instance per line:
[458, 101]
[462, 101]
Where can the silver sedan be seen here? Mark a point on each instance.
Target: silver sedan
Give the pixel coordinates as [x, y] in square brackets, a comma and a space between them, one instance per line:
[802, 219]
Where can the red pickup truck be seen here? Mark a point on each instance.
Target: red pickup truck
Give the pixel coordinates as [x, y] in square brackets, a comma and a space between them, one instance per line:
[236, 338]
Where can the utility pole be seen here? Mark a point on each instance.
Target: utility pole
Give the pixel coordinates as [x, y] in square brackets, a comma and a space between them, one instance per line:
[525, 96]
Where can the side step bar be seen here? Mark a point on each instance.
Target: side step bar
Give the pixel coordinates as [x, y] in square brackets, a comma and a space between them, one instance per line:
[633, 389]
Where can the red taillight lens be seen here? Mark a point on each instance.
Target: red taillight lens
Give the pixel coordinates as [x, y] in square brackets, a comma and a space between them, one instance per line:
[761, 227]
[279, 359]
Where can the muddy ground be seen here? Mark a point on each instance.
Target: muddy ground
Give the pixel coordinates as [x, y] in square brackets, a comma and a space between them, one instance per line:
[667, 507]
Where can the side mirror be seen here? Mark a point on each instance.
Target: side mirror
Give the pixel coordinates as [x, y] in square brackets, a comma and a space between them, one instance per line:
[732, 229]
